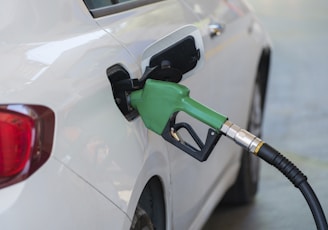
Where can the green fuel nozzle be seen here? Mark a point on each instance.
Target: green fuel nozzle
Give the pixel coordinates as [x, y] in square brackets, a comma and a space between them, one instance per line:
[159, 100]
[158, 103]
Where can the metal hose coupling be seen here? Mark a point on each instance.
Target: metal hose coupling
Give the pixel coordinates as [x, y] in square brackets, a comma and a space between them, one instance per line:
[242, 137]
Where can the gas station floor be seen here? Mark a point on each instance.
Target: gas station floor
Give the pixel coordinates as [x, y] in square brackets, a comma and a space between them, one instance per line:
[296, 117]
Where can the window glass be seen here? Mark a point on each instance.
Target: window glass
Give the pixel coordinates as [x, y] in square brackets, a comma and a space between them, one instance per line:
[94, 4]
[99, 8]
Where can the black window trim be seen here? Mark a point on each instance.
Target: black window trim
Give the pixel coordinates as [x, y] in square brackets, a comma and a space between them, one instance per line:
[112, 9]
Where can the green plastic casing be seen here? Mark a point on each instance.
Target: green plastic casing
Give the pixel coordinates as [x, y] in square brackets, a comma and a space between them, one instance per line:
[158, 101]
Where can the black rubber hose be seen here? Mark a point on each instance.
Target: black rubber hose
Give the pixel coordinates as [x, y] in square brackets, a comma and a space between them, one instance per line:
[273, 157]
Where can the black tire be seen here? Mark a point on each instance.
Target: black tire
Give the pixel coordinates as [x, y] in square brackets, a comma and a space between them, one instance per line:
[141, 220]
[244, 189]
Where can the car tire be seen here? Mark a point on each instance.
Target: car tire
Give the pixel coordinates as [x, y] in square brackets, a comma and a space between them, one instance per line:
[244, 189]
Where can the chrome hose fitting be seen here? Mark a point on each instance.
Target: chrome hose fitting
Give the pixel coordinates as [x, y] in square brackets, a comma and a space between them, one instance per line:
[242, 137]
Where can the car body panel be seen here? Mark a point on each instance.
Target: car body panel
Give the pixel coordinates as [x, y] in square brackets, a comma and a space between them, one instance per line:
[56, 54]
[62, 198]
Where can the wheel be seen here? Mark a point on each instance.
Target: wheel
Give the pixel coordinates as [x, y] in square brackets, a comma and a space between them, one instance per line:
[141, 220]
[245, 187]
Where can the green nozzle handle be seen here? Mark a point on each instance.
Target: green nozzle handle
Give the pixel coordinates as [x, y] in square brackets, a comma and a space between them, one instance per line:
[158, 101]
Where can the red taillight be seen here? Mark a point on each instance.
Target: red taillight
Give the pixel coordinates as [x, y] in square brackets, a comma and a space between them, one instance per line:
[16, 135]
[26, 133]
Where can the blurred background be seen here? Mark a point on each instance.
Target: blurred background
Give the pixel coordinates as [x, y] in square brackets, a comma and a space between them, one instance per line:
[296, 117]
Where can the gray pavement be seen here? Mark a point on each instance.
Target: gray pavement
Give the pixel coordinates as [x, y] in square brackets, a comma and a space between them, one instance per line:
[296, 117]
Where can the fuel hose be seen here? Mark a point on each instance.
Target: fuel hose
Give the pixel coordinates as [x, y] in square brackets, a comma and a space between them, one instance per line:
[263, 150]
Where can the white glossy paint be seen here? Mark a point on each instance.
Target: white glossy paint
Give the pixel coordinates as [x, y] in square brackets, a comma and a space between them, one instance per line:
[61, 198]
[56, 54]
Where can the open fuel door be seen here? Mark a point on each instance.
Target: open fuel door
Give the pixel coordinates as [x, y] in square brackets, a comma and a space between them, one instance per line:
[171, 59]
[181, 51]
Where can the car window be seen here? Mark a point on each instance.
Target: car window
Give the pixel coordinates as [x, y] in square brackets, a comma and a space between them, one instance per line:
[99, 8]
[94, 4]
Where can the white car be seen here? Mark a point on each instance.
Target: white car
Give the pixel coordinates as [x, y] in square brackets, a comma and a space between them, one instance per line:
[72, 158]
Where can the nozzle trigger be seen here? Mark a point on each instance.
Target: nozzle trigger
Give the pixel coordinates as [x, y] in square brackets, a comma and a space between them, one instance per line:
[202, 151]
